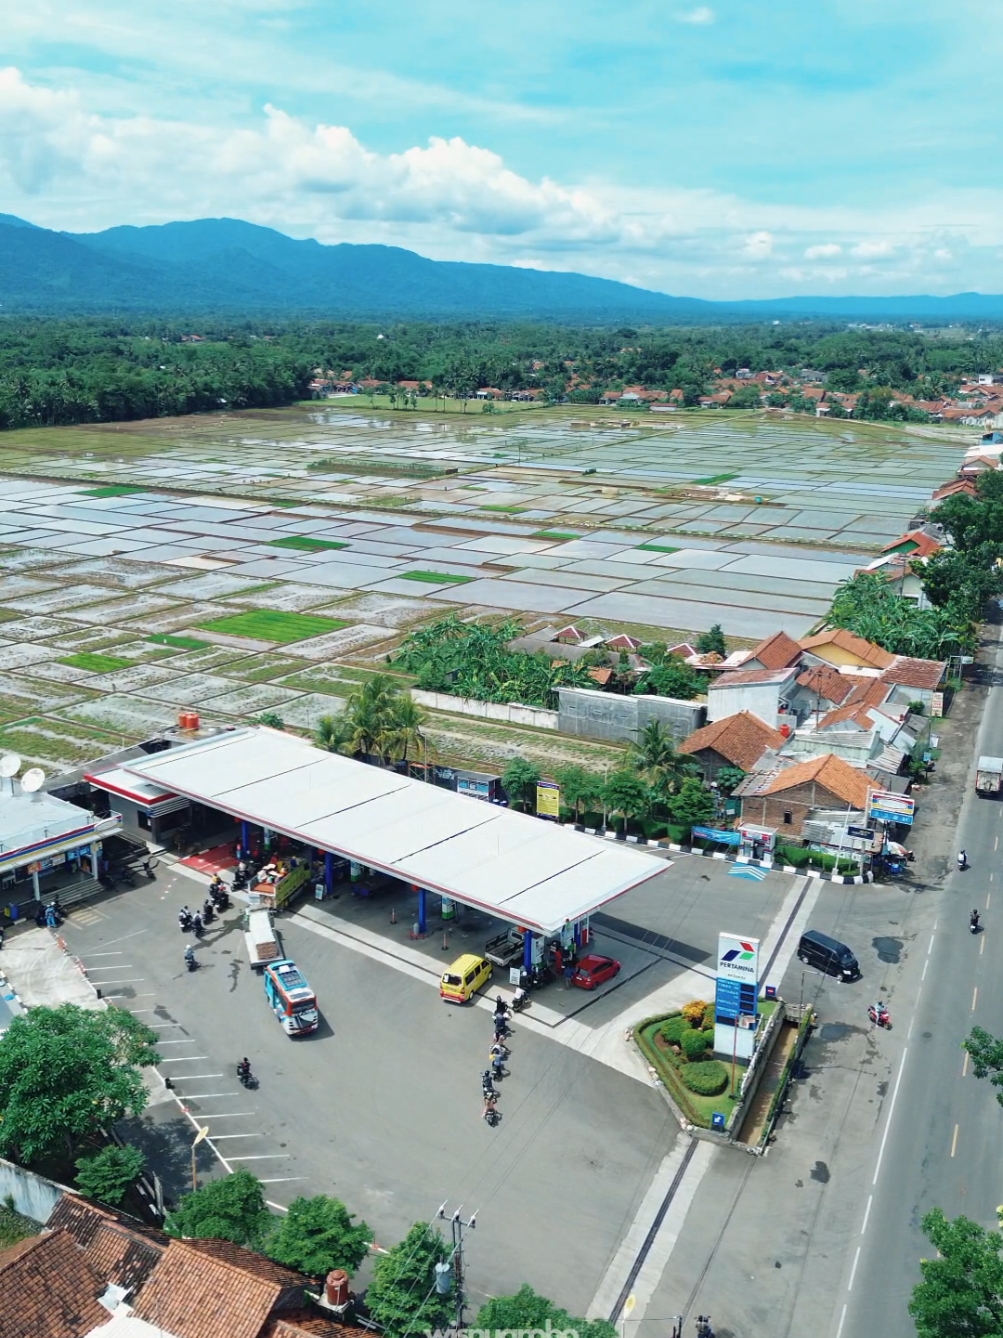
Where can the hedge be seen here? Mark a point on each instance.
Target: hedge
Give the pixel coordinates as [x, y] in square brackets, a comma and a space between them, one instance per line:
[708, 1019]
[674, 1028]
[694, 1043]
[708, 1078]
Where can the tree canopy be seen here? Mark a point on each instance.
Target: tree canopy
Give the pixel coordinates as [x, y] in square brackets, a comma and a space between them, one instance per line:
[108, 1174]
[319, 1234]
[229, 1209]
[402, 1297]
[961, 1292]
[68, 1072]
[986, 1053]
[527, 1310]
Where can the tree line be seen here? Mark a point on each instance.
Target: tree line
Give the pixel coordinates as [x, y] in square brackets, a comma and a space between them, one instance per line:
[57, 370]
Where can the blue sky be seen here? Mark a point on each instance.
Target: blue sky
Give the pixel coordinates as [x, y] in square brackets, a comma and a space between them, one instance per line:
[732, 149]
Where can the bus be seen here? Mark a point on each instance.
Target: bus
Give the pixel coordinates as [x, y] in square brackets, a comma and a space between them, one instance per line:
[291, 998]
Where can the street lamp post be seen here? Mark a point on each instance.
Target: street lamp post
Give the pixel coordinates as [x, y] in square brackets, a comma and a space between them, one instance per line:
[202, 1133]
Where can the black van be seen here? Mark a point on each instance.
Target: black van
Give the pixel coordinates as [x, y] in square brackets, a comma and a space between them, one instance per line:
[828, 955]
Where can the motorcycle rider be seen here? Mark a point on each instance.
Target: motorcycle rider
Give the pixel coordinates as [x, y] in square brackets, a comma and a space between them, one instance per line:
[197, 926]
[519, 998]
[962, 859]
[973, 919]
[244, 1069]
[190, 957]
[185, 918]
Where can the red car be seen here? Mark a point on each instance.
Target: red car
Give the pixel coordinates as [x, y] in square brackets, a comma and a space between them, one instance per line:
[593, 971]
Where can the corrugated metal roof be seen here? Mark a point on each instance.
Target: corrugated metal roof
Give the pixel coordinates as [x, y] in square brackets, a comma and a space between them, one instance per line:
[509, 864]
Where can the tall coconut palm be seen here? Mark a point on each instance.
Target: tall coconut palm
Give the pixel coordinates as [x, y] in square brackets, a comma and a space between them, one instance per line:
[406, 726]
[333, 733]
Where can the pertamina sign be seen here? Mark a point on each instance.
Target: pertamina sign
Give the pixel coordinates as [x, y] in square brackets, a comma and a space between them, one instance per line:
[737, 958]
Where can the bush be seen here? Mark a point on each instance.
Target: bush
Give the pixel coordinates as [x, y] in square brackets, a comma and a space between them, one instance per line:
[708, 1019]
[845, 865]
[708, 1078]
[694, 1011]
[694, 1043]
[679, 833]
[673, 1029]
[794, 855]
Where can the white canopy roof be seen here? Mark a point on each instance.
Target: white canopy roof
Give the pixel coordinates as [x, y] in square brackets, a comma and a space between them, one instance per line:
[509, 864]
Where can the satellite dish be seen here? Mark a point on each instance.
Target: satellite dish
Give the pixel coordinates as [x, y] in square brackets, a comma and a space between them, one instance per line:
[10, 765]
[32, 780]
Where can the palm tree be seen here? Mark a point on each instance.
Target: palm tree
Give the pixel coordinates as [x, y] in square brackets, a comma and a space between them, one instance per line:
[333, 733]
[656, 757]
[370, 711]
[407, 720]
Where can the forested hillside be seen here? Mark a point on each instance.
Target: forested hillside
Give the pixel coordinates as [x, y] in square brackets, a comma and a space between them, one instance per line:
[55, 371]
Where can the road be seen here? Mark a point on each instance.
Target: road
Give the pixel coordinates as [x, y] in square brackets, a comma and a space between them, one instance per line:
[940, 1143]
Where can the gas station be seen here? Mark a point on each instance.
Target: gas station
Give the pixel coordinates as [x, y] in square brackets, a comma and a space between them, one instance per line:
[542, 878]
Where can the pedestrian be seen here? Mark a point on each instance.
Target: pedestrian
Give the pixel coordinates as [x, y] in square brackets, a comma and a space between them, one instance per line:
[569, 972]
[50, 916]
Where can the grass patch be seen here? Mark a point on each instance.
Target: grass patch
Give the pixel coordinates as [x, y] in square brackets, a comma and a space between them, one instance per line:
[178, 642]
[555, 534]
[714, 478]
[14, 1227]
[306, 544]
[114, 490]
[657, 548]
[274, 625]
[435, 577]
[95, 663]
[508, 510]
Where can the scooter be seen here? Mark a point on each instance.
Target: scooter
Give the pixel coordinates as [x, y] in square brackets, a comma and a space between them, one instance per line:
[880, 1017]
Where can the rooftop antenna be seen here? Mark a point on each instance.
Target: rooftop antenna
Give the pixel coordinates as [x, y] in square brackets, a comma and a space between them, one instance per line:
[32, 780]
[10, 765]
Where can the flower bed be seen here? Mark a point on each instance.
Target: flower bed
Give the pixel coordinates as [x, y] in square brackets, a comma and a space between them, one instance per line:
[680, 1053]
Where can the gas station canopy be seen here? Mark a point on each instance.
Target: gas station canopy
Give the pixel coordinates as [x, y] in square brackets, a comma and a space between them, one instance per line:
[534, 874]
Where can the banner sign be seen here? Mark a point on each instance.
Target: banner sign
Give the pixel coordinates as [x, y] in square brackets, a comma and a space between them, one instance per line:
[885, 806]
[718, 835]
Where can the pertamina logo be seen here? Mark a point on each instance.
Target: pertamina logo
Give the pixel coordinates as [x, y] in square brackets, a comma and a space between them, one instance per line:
[737, 958]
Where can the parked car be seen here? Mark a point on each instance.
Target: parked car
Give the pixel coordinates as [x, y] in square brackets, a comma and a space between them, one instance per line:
[594, 970]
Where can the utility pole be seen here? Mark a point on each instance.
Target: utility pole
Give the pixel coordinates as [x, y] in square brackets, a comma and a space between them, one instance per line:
[457, 1226]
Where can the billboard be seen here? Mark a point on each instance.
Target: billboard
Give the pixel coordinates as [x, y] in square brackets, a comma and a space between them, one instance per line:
[736, 995]
[886, 806]
[548, 799]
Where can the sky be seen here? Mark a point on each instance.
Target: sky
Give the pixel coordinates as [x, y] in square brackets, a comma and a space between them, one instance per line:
[735, 149]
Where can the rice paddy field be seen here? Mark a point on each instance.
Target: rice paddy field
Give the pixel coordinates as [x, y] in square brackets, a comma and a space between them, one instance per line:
[262, 562]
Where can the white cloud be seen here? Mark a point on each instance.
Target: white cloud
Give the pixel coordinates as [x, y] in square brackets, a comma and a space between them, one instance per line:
[65, 166]
[759, 246]
[702, 14]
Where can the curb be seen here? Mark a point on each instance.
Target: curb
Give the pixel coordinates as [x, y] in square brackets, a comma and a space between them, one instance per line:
[847, 879]
[10, 995]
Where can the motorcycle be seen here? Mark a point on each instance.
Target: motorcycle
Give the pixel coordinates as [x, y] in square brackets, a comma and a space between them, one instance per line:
[704, 1329]
[962, 862]
[219, 896]
[520, 1000]
[185, 920]
[241, 878]
[149, 865]
[208, 913]
[973, 922]
[191, 961]
[198, 928]
[880, 1016]
[246, 1077]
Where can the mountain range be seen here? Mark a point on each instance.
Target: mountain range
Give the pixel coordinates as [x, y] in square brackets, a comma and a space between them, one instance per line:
[225, 264]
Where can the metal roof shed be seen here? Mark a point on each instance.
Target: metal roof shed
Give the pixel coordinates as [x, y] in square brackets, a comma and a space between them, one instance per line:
[509, 864]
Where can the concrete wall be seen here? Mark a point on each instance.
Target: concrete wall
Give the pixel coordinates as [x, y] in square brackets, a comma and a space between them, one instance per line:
[762, 699]
[512, 713]
[611, 718]
[33, 1195]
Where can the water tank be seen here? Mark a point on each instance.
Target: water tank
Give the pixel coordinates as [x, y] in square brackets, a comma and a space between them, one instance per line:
[785, 730]
[336, 1287]
[188, 720]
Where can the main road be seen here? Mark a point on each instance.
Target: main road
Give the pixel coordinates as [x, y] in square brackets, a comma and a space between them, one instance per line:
[939, 1144]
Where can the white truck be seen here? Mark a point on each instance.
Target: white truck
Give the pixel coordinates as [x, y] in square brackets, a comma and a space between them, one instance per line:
[989, 775]
[261, 939]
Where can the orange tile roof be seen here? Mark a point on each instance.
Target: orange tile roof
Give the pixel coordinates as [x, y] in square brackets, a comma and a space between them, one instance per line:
[827, 682]
[736, 677]
[829, 771]
[49, 1290]
[853, 645]
[778, 651]
[310, 1324]
[741, 739]
[910, 673]
[925, 546]
[215, 1289]
[118, 1248]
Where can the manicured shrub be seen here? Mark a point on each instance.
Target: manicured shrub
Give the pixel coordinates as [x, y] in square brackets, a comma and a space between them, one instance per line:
[694, 1043]
[694, 1011]
[796, 856]
[708, 1078]
[708, 1019]
[672, 1029]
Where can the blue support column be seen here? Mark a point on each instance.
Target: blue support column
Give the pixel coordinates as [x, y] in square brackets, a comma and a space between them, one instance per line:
[422, 897]
[245, 839]
[329, 872]
[527, 951]
[578, 934]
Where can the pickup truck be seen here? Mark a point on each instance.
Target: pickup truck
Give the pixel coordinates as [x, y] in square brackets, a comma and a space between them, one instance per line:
[504, 949]
[261, 938]
[989, 775]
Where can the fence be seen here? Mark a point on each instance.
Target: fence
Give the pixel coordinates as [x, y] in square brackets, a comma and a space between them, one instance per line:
[610, 718]
[512, 713]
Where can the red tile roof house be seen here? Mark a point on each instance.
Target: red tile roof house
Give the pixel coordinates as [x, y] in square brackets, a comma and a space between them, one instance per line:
[738, 741]
[785, 799]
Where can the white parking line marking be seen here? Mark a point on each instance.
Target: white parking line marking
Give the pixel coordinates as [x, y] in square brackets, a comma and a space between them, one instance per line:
[128, 980]
[219, 1137]
[281, 1180]
[266, 1156]
[188, 1077]
[117, 953]
[186, 1059]
[135, 934]
[207, 1096]
[119, 966]
[188, 1040]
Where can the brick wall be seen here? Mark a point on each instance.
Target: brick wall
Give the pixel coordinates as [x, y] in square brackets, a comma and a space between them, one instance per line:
[768, 810]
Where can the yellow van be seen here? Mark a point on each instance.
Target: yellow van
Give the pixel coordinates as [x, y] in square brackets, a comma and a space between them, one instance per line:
[464, 978]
